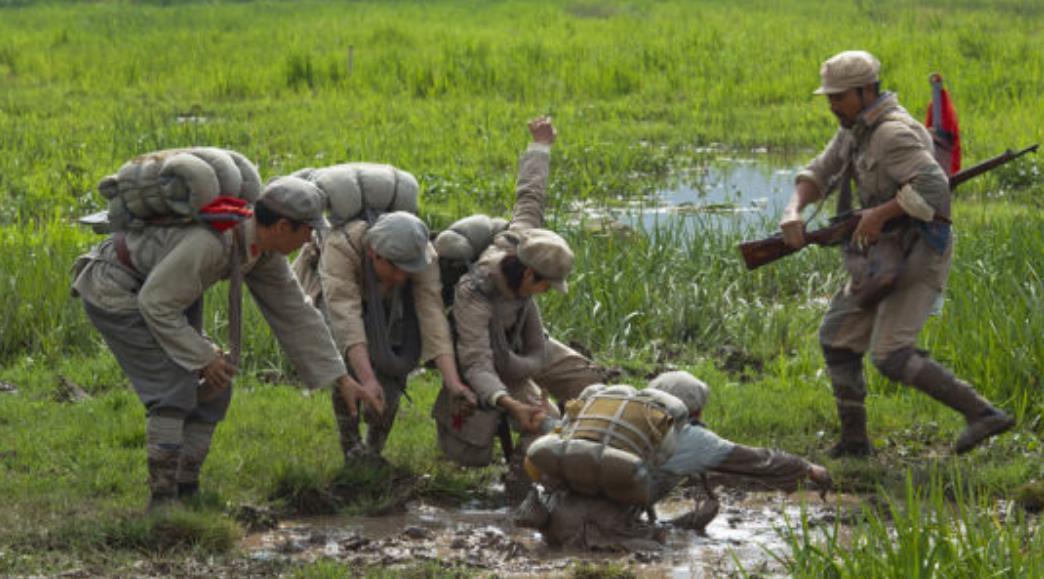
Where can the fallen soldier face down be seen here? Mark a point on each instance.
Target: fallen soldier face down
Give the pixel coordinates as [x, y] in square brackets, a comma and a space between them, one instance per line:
[580, 520]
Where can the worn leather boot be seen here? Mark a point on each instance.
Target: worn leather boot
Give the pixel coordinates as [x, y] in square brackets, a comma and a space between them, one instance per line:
[845, 368]
[854, 441]
[163, 473]
[984, 420]
[163, 445]
[194, 450]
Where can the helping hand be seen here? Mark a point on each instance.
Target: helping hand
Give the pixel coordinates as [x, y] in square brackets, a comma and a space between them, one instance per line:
[352, 392]
[529, 417]
[466, 399]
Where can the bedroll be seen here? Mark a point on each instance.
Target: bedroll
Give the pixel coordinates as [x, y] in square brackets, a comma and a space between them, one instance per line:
[352, 187]
[173, 185]
[608, 442]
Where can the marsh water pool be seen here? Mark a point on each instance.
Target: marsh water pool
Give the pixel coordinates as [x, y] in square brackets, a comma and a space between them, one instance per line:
[725, 193]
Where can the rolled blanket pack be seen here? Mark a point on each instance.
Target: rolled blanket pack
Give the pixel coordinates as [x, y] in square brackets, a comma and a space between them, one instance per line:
[466, 238]
[352, 187]
[176, 183]
[608, 443]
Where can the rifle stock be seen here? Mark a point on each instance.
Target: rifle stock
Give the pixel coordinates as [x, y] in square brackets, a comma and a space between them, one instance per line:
[764, 251]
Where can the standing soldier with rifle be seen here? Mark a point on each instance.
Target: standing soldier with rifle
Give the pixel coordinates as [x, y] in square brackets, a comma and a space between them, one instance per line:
[898, 257]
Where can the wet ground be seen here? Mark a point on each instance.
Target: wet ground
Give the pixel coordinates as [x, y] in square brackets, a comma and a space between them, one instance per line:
[485, 540]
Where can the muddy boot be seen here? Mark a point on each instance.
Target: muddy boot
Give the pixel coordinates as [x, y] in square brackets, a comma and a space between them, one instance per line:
[984, 420]
[854, 441]
[845, 368]
[348, 429]
[163, 436]
[194, 450]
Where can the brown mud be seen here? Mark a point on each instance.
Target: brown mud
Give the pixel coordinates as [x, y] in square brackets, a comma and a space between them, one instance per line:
[745, 536]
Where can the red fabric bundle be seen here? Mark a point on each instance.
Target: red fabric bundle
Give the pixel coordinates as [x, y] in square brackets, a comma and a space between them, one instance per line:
[947, 133]
[225, 212]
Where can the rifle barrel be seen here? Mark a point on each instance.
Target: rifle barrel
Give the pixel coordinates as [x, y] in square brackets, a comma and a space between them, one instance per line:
[989, 164]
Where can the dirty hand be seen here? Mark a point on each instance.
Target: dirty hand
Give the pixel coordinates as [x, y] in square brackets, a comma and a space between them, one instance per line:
[352, 392]
[542, 130]
[219, 372]
[821, 478]
[869, 228]
[529, 417]
[465, 396]
[793, 228]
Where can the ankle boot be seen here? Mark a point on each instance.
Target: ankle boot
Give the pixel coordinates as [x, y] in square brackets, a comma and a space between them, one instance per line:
[984, 420]
[163, 473]
[854, 441]
[194, 450]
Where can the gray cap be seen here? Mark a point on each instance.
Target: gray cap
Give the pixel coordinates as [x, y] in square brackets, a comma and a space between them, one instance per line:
[402, 239]
[547, 254]
[295, 199]
[683, 386]
[849, 69]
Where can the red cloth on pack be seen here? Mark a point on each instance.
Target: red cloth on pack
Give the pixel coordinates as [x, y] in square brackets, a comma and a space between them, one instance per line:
[950, 129]
[225, 212]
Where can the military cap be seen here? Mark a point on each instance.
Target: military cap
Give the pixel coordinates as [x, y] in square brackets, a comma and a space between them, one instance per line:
[683, 386]
[849, 69]
[295, 199]
[402, 239]
[546, 253]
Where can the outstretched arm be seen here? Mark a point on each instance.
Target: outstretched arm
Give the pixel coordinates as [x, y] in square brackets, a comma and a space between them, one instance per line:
[533, 169]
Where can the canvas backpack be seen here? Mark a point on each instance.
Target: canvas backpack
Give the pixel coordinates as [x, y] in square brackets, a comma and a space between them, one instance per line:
[609, 442]
[353, 191]
[459, 247]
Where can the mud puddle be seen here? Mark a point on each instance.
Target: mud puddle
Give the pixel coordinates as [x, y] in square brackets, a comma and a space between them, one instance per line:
[743, 535]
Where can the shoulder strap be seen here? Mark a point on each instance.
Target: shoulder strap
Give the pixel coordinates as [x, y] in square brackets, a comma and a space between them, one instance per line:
[235, 297]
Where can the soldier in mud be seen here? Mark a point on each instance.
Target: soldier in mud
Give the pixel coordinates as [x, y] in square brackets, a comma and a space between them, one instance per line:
[140, 288]
[573, 520]
[382, 295]
[503, 351]
[898, 258]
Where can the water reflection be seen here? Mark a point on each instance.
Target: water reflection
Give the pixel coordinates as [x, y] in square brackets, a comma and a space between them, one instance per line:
[724, 194]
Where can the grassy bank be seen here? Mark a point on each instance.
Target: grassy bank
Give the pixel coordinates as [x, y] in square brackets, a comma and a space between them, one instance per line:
[442, 89]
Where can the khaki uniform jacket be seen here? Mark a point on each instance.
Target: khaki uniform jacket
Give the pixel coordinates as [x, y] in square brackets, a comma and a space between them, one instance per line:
[176, 265]
[344, 292]
[483, 292]
[892, 156]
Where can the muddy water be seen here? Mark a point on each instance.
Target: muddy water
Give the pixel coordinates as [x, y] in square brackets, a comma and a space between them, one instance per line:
[485, 539]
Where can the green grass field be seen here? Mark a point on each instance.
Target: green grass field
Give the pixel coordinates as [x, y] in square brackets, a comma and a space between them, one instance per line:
[443, 89]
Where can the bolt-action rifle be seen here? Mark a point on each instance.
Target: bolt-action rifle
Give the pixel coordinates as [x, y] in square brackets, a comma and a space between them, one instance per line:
[762, 251]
